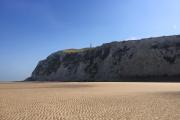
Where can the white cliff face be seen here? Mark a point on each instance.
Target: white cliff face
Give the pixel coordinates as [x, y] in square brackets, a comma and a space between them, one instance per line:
[148, 58]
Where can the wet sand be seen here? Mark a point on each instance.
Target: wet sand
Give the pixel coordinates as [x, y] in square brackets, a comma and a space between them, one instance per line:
[89, 101]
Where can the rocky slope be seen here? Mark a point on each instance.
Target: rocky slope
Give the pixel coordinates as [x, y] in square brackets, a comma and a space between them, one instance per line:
[151, 59]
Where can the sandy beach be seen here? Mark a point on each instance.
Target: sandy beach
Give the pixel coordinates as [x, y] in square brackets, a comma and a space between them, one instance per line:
[89, 101]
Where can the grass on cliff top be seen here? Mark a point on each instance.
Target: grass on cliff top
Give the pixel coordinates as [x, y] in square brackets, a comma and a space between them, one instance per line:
[69, 51]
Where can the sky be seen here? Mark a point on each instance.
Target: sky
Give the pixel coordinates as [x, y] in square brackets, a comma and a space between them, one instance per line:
[30, 30]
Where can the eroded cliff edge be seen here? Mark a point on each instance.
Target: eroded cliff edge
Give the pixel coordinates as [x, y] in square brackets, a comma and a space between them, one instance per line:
[151, 59]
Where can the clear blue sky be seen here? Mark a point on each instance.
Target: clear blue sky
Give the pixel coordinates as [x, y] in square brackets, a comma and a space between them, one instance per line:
[32, 29]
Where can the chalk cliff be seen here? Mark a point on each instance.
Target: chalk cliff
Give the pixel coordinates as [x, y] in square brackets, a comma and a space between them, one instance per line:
[150, 59]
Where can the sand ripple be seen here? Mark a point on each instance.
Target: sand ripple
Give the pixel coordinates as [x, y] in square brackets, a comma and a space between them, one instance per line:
[90, 101]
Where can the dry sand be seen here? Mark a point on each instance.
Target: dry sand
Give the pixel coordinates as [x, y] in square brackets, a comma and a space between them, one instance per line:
[90, 101]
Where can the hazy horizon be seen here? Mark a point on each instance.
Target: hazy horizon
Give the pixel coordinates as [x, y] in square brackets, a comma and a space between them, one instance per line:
[31, 30]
